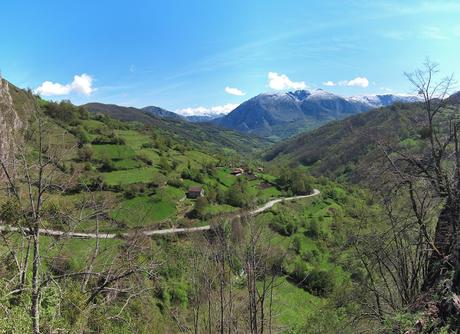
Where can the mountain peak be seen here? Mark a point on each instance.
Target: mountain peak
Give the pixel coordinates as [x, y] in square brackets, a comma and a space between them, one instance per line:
[283, 114]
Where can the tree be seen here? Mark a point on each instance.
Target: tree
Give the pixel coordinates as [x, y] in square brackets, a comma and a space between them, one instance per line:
[262, 263]
[164, 164]
[199, 209]
[439, 169]
[33, 177]
[417, 244]
[295, 180]
[85, 153]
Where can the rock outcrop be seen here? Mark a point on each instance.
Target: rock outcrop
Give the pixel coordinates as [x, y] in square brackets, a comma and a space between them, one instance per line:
[15, 105]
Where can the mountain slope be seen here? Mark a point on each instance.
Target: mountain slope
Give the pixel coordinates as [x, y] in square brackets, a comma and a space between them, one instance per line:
[282, 115]
[204, 118]
[455, 98]
[16, 106]
[163, 113]
[192, 133]
[349, 146]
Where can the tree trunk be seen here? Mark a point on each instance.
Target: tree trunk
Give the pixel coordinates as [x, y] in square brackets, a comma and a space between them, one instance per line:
[446, 257]
[35, 308]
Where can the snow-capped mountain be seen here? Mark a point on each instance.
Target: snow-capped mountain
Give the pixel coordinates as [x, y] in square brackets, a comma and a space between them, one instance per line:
[280, 115]
[203, 118]
[377, 101]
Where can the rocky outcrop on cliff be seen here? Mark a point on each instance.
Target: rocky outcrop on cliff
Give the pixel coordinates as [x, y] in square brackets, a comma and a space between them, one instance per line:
[15, 105]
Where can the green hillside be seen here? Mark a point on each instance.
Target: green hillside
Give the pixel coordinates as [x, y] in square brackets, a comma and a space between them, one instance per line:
[197, 134]
[350, 148]
[303, 265]
[123, 176]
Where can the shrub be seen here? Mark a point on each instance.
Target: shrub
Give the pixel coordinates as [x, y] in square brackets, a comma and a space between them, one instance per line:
[145, 159]
[314, 229]
[80, 133]
[110, 138]
[107, 165]
[175, 182]
[320, 282]
[284, 224]
[85, 153]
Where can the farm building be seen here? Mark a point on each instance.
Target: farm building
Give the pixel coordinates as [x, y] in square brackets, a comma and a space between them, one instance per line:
[195, 192]
[237, 171]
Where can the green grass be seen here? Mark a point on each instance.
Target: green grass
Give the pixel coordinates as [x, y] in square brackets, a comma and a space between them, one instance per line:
[270, 192]
[144, 210]
[171, 193]
[92, 125]
[123, 177]
[128, 164]
[78, 250]
[224, 176]
[134, 139]
[215, 209]
[190, 183]
[292, 305]
[149, 153]
[200, 157]
[114, 152]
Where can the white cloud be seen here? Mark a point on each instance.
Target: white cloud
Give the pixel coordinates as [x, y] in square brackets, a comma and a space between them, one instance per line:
[48, 88]
[234, 91]
[433, 33]
[356, 82]
[82, 84]
[203, 111]
[329, 83]
[225, 109]
[281, 82]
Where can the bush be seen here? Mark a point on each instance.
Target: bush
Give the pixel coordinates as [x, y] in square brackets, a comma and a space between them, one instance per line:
[81, 134]
[110, 139]
[314, 229]
[107, 165]
[284, 224]
[295, 181]
[132, 190]
[85, 153]
[319, 282]
[145, 159]
[164, 164]
[65, 112]
[10, 212]
[199, 208]
[175, 182]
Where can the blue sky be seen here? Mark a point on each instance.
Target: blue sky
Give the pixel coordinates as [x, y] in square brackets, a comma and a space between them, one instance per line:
[202, 56]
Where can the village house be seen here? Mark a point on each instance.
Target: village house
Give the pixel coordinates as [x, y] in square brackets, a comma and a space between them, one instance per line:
[195, 192]
[237, 171]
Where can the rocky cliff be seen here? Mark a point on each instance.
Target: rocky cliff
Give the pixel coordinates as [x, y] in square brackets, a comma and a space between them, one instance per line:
[16, 106]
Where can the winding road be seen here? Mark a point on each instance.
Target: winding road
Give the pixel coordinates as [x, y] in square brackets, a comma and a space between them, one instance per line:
[178, 230]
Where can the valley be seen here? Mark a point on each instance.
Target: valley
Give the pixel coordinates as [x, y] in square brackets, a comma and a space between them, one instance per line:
[230, 167]
[122, 180]
[120, 219]
[191, 220]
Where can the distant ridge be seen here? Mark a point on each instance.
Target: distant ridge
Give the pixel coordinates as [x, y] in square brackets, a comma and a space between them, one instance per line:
[163, 113]
[192, 133]
[281, 115]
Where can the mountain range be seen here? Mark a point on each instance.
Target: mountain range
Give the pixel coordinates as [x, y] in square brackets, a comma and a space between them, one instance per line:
[348, 147]
[282, 115]
[177, 126]
[274, 116]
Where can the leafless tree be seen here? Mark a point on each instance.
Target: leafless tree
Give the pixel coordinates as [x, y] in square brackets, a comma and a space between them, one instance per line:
[262, 264]
[36, 174]
[417, 243]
